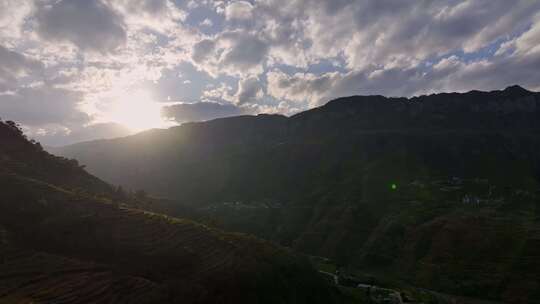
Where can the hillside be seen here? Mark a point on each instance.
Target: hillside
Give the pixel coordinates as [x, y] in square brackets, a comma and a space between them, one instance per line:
[440, 190]
[64, 240]
[24, 157]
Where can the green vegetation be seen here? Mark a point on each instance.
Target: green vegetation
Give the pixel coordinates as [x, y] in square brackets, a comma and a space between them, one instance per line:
[326, 266]
[65, 238]
[440, 191]
[354, 295]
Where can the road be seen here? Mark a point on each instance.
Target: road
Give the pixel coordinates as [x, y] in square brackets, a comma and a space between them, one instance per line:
[335, 277]
[393, 292]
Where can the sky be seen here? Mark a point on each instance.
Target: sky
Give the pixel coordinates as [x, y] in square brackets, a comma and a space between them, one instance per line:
[76, 70]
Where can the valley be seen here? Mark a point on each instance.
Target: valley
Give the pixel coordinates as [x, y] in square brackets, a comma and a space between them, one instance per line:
[67, 237]
[269, 152]
[440, 190]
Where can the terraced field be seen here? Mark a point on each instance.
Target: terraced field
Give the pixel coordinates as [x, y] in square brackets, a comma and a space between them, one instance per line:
[61, 247]
[66, 238]
[31, 276]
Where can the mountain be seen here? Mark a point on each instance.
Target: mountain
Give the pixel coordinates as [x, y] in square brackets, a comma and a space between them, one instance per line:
[440, 191]
[65, 238]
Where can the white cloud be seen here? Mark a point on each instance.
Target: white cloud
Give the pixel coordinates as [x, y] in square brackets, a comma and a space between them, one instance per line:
[222, 92]
[529, 42]
[447, 75]
[389, 33]
[160, 15]
[206, 22]
[239, 10]
[12, 17]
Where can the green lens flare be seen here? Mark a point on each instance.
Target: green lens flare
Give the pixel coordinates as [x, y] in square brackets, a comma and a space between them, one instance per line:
[393, 186]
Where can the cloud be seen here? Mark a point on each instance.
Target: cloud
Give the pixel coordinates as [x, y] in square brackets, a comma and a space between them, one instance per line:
[223, 92]
[203, 49]
[526, 44]
[232, 53]
[375, 34]
[183, 83]
[151, 7]
[159, 15]
[493, 74]
[239, 10]
[12, 16]
[300, 87]
[60, 136]
[14, 66]
[89, 25]
[207, 22]
[246, 50]
[201, 111]
[449, 74]
[249, 90]
[42, 105]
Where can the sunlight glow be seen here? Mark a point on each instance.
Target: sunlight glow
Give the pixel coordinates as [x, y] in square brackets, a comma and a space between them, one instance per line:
[137, 111]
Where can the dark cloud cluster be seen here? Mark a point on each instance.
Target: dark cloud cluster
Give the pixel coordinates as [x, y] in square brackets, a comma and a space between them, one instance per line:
[232, 52]
[250, 90]
[246, 50]
[203, 49]
[14, 66]
[43, 105]
[89, 25]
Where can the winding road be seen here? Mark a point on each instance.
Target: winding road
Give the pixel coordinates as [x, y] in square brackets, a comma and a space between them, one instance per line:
[393, 292]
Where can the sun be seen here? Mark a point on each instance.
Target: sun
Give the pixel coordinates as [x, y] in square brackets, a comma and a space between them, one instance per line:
[137, 111]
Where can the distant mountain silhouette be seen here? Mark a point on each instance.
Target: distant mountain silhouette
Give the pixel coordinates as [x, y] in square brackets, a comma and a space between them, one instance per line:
[438, 190]
[66, 238]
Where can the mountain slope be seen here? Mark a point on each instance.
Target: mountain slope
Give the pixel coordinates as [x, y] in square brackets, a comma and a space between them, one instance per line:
[388, 185]
[61, 242]
[178, 161]
[18, 155]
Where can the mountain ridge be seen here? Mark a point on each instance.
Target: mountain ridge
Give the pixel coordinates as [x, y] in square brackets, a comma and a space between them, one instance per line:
[514, 90]
[511, 91]
[66, 236]
[373, 183]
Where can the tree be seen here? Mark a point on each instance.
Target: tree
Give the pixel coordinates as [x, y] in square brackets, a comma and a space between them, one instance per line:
[15, 127]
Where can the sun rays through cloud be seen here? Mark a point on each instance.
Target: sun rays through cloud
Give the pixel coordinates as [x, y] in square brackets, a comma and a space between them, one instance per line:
[228, 57]
[137, 111]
